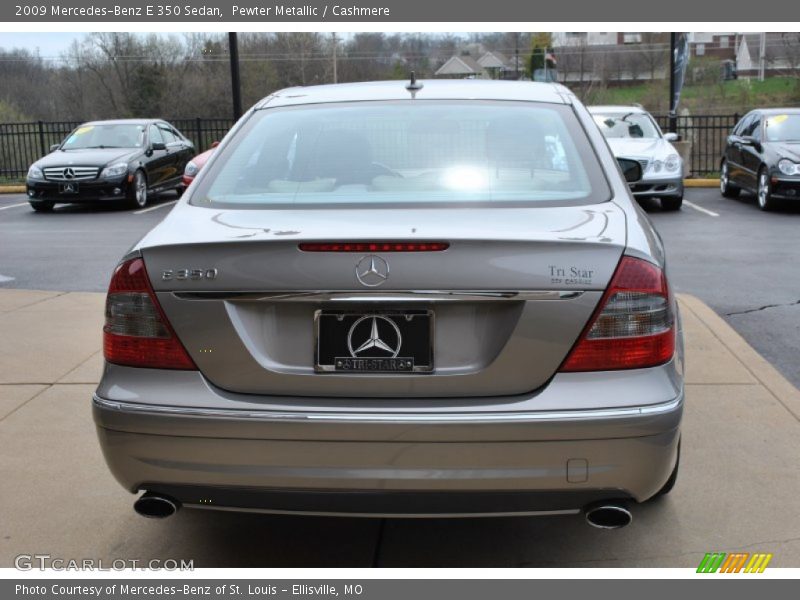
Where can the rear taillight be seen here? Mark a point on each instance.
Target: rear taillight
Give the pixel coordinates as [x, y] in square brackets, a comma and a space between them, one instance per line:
[137, 332]
[633, 326]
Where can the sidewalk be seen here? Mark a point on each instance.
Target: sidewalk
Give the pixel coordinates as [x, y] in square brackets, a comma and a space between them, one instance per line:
[738, 487]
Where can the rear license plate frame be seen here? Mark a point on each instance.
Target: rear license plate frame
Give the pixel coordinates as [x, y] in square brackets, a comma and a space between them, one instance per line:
[414, 358]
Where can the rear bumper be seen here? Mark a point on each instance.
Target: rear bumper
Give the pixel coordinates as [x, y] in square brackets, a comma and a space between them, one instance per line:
[380, 463]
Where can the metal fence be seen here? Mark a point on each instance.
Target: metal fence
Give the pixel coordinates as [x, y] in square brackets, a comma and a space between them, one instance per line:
[707, 134]
[23, 143]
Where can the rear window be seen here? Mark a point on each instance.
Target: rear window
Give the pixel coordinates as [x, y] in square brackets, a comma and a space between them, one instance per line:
[410, 152]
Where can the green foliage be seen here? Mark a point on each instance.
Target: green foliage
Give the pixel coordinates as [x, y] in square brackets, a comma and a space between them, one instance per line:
[717, 97]
[541, 43]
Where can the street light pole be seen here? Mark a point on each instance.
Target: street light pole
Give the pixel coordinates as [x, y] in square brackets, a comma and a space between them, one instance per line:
[673, 120]
[236, 82]
[335, 74]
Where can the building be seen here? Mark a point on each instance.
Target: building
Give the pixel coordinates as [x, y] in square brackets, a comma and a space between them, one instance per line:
[780, 53]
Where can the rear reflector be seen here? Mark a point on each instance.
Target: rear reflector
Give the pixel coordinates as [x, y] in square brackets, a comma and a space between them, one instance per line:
[633, 326]
[374, 246]
[137, 333]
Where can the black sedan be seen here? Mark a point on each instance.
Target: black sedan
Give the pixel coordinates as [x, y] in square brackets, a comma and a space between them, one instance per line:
[762, 156]
[127, 159]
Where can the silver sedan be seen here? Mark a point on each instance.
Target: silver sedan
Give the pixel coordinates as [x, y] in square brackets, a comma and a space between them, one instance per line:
[401, 298]
[633, 133]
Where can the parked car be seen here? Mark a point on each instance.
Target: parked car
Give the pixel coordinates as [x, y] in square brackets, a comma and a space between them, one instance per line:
[633, 133]
[762, 156]
[392, 299]
[198, 162]
[110, 160]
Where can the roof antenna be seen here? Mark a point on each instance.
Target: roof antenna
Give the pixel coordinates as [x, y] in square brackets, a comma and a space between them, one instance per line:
[414, 86]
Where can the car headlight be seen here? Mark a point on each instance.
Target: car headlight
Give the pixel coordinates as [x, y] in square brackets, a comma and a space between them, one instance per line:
[35, 173]
[672, 163]
[191, 169]
[787, 167]
[114, 170]
[657, 166]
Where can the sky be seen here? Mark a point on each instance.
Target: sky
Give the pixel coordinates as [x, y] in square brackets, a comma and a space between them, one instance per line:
[49, 44]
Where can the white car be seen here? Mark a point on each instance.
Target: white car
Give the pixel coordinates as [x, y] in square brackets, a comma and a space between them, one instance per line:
[632, 132]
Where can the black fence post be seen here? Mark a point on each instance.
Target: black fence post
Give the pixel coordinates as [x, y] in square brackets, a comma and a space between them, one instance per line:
[199, 130]
[41, 138]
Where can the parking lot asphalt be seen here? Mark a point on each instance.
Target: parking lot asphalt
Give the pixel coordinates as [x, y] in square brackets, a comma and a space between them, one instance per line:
[737, 489]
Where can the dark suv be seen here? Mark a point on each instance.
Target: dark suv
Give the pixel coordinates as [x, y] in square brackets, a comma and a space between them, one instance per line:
[110, 160]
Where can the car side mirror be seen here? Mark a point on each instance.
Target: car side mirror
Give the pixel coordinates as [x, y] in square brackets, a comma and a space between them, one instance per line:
[672, 137]
[749, 140]
[158, 146]
[55, 147]
[631, 169]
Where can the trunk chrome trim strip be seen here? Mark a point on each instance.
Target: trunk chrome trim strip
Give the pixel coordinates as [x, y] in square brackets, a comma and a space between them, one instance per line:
[574, 415]
[366, 296]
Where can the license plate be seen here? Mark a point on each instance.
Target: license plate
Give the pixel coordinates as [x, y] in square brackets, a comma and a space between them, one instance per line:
[68, 188]
[374, 342]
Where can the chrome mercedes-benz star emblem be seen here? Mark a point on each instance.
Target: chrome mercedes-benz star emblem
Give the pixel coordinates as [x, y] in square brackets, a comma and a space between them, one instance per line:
[372, 270]
[376, 333]
[69, 173]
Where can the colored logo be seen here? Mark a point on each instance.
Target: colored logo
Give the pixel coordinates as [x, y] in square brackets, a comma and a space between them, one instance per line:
[735, 562]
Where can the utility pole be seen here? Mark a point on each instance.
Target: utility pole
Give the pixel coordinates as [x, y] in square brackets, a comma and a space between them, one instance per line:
[762, 59]
[236, 82]
[516, 55]
[335, 74]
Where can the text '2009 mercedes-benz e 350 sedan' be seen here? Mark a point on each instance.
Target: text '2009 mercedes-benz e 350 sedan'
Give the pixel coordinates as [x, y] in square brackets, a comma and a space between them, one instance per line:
[398, 298]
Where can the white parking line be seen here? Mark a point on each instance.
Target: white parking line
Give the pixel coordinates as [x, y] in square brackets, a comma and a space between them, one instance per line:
[145, 210]
[13, 205]
[700, 208]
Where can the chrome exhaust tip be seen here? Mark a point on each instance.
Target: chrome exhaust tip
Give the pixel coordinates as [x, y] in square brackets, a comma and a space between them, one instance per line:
[608, 515]
[154, 506]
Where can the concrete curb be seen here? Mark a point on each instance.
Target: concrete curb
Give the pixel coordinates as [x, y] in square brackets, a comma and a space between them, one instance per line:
[12, 189]
[781, 388]
[701, 183]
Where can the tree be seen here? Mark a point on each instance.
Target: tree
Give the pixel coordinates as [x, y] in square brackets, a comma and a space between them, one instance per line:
[541, 46]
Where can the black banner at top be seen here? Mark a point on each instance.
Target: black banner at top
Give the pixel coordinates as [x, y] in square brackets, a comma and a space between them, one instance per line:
[390, 11]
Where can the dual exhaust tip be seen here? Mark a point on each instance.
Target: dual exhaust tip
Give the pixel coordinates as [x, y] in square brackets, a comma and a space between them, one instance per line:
[608, 515]
[602, 515]
[156, 506]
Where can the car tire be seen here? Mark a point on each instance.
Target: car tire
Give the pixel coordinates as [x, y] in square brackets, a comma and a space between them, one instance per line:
[137, 190]
[726, 188]
[764, 191]
[671, 203]
[42, 205]
[667, 487]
